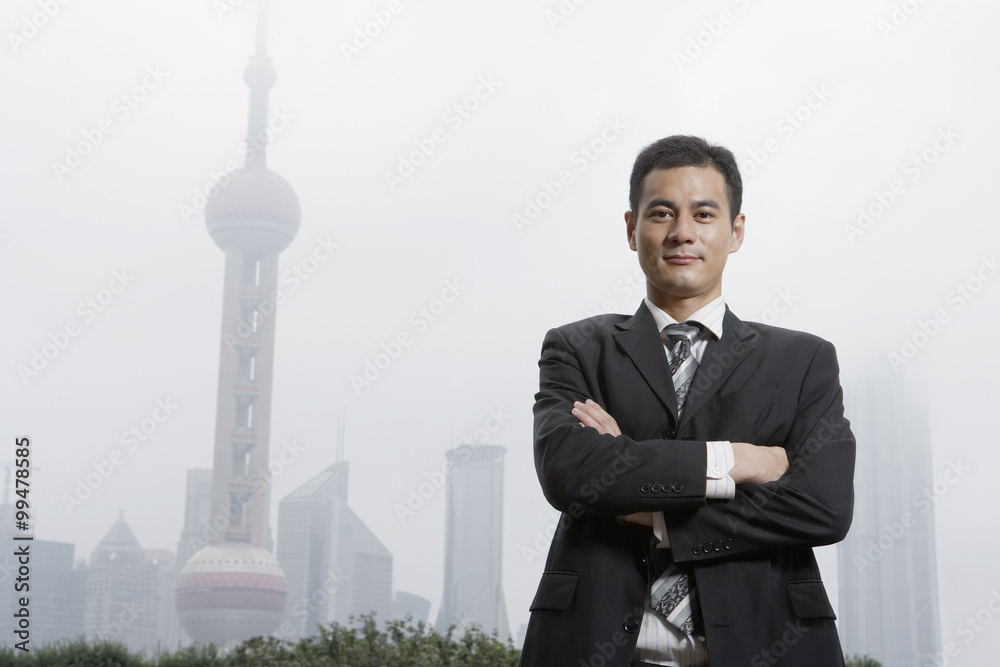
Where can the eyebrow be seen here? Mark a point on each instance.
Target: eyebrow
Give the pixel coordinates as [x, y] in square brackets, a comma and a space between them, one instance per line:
[669, 203]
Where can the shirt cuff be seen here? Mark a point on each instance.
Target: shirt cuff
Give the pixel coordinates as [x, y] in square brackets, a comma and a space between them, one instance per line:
[719, 484]
[660, 531]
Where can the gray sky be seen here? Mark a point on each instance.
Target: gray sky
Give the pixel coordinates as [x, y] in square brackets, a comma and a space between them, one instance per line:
[826, 108]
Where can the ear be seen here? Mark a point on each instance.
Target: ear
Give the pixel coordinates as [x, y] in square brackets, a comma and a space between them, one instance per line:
[630, 229]
[736, 239]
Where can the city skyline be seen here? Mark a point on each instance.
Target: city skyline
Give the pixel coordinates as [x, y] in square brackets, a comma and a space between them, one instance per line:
[429, 290]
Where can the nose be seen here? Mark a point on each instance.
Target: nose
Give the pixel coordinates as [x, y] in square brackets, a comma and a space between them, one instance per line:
[683, 229]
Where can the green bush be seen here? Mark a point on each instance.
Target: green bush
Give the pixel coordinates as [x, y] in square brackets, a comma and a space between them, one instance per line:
[363, 644]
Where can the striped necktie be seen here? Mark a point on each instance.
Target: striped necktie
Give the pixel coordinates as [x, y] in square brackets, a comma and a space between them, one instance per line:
[672, 593]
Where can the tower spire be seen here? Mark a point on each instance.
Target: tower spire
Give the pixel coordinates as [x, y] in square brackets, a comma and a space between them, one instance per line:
[259, 76]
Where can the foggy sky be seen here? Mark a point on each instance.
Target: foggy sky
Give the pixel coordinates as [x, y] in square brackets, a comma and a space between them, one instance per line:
[828, 108]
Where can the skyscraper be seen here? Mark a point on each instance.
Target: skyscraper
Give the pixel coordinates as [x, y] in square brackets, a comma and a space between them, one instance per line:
[887, 567]
[335, 565]
[473, 566]
[123, 591]
[234, 588]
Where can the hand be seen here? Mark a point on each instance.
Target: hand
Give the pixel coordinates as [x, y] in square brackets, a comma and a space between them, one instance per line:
[639, 518]
[756, 465]
[593, 415]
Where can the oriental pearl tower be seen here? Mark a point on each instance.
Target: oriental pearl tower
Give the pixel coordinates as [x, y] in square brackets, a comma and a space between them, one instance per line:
[234, 589]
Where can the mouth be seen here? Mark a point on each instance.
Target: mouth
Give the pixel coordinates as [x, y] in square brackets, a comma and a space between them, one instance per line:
[680, 259]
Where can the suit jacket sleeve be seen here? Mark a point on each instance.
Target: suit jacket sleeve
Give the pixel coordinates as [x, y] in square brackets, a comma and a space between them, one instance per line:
[584, 472]
[810, 505]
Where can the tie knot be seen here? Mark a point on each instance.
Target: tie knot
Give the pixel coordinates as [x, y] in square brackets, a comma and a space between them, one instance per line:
[674, 333]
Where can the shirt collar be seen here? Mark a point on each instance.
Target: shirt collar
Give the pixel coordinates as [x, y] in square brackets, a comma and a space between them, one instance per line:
[710, 315]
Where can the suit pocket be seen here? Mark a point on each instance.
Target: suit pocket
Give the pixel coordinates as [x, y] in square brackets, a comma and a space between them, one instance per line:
[809, 599]
[555, 592]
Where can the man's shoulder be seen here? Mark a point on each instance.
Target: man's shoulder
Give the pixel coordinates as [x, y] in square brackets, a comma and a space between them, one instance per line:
[785, 339]
[594, 328]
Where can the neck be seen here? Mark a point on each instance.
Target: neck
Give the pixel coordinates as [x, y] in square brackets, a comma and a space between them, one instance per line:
[680, 307]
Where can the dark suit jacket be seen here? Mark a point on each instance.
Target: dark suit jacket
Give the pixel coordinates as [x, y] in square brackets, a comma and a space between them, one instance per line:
[761, 595]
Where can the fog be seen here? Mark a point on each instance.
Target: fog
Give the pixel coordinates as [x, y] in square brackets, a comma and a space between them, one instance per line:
[480, 153]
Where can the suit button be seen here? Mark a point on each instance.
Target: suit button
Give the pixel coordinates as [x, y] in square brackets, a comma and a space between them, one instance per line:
[667, 433]
[718, 545]
[631, 624]
[677, 488]
[696, 550]
[644, 488]
[728, 544]
[655, 488]
[665, 488]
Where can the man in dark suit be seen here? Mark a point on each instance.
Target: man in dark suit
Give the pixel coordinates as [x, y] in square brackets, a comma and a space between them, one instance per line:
[696, 458]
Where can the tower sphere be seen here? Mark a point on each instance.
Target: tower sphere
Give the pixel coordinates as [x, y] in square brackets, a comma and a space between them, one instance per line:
[230, 591]
[257, 211]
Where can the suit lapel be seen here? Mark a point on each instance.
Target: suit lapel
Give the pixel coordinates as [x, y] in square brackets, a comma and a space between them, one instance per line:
[639, 338]
[719, 361]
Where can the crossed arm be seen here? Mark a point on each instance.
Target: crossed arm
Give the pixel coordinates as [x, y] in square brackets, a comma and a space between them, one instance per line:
[753, 464]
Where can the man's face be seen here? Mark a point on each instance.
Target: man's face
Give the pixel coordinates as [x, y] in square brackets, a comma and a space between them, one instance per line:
[683, 235]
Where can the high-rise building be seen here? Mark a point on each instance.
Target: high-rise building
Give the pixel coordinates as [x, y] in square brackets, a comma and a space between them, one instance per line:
[197, 531]
[123, 591]
[473, 562]
[234, 588]
[887, 568]
[334, 564]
